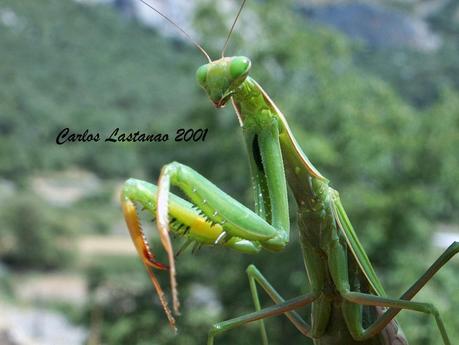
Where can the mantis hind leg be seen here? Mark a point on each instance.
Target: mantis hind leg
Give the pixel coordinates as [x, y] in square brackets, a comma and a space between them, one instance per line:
[286, 307]
[255, 277]
[389, 314]
[353, 313]
[353, 310]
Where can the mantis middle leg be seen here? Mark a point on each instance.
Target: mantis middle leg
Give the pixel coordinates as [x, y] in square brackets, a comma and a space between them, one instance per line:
[255, 277]
[283, 308]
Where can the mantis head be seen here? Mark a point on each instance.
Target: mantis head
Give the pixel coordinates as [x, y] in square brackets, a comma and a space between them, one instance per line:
[221, 78]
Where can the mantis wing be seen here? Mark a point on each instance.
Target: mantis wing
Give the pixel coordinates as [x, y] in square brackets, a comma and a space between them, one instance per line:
[340, 215]
[355, 246]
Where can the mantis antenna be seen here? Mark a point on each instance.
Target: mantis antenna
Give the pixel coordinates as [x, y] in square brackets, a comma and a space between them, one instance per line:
[232, 27]
[180, 29]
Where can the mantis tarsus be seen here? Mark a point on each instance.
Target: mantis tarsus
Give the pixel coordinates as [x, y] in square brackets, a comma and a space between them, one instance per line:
[341, 276]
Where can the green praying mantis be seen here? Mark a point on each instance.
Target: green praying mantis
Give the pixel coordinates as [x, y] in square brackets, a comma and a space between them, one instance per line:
[348, 303]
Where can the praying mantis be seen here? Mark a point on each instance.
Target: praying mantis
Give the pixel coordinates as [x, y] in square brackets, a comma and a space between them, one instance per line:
[348, 303]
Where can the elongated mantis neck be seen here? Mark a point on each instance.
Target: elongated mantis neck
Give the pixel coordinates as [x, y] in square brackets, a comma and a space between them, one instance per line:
[255, 110]
[249, 102]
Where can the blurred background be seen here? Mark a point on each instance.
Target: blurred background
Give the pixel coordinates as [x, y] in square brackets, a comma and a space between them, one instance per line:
[370, 88]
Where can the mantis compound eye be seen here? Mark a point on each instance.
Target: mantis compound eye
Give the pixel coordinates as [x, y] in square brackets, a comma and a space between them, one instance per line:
[240, 66]
[201, 75]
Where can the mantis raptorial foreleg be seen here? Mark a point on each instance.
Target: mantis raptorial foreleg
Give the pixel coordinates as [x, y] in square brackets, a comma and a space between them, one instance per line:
[269, 226]
[216, 206]
[148, 259]
[212, 216]
[185, 221]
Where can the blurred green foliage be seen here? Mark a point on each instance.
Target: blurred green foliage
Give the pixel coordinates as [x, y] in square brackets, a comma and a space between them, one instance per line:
[389, 147]
[33, 236]
[420, 76]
